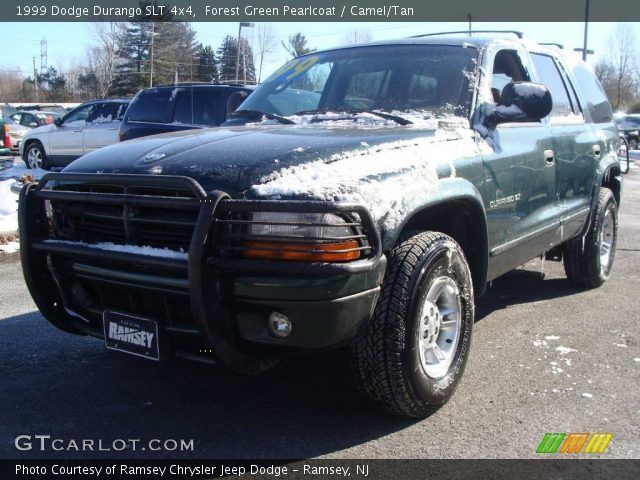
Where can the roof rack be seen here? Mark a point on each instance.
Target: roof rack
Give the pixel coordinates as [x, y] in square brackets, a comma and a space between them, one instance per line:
[470, 32]
[187, 83]
[559, 45]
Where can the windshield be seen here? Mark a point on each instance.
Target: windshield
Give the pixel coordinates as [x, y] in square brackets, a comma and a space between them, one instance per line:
[393, 78]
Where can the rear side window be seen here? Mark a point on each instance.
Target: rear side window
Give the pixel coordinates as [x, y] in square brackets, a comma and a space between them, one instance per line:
[107, 112]
[594, 99]
[199, 107]
[550, 77]
[153, 105]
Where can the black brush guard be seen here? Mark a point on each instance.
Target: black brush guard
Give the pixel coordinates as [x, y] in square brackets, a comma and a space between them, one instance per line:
[209, 257]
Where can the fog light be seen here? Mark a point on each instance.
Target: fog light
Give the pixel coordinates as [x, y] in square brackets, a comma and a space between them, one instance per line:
[280, 325]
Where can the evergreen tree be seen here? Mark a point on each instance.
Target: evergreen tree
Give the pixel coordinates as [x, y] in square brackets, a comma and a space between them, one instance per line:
[207, 64]
[131, 74]
[135, 48]
[297, 45]
[88, 85]
[230, 61]
[52, 87]
[175, 51]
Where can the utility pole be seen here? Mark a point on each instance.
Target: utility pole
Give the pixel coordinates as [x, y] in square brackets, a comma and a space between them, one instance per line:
[153, 33]
[586, 32]
[585, 51]
[43, 56]
[35, 79]
[242, 24]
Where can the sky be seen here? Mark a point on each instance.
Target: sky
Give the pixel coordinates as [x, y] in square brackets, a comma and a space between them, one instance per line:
[68, 42]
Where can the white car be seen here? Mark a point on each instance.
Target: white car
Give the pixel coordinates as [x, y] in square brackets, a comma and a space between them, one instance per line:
[88, 127]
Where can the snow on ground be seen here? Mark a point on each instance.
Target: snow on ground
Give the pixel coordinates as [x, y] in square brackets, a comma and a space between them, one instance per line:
[8, 208]
[10, 247]
[564, 350]
[9, 200]
[19, 169]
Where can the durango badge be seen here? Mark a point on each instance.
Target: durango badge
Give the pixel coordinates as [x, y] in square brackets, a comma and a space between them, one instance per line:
[153, 157]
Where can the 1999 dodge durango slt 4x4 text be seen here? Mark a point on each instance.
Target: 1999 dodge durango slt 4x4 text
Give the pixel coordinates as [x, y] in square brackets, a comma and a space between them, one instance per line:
[359, 197]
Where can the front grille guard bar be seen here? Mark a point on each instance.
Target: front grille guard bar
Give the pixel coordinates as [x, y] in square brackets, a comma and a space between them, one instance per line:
[208, 308]
[207, 219]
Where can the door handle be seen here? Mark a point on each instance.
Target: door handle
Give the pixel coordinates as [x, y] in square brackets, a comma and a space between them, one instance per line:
[596, 151]
[114, 128]
[77, 131]
[549, 157]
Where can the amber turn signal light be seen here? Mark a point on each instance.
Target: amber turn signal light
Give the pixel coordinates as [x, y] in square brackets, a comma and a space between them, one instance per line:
[303, 252]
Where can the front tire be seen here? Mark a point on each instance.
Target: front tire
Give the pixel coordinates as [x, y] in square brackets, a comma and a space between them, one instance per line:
[35, 157]
[411, 358]
[588, 260]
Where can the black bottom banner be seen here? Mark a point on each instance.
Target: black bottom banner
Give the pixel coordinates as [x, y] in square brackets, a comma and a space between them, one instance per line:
[319, 469]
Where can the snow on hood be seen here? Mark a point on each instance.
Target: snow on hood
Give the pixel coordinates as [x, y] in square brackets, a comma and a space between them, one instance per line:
[390, 179]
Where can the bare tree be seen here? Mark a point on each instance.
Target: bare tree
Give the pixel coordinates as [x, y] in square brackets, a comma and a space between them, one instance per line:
[102, 58]
[11, 85]
[356, 36]
[618, 72]
[266, 45]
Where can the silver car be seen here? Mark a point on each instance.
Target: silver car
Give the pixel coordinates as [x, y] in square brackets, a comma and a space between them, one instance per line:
[88, 127]
[16, 132]
[36, 118]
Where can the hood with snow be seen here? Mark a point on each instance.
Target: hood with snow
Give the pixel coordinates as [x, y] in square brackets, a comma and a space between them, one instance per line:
[373, 166]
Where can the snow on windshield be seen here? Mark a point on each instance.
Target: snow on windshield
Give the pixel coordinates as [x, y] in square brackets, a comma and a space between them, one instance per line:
[428, 119]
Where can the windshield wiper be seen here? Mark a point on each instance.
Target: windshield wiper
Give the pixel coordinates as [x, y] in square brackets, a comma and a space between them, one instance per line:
[258, 114]
[356, 111]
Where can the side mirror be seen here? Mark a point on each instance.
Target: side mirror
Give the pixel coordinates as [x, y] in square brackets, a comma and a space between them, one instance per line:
[57, 122]
[33, 125]
[523, 102]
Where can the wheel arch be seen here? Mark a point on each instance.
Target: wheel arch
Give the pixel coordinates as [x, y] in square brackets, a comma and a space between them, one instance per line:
[611, 178]
[28, 143]
[457, 211]
[608, 175]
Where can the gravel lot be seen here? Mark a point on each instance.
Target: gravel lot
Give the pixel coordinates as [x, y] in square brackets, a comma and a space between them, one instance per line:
[518, 385]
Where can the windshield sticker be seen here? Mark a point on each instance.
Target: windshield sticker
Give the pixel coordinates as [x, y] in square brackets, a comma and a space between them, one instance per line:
[294, 68]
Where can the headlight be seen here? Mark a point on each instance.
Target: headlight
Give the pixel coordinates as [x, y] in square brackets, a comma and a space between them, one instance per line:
[311, 237]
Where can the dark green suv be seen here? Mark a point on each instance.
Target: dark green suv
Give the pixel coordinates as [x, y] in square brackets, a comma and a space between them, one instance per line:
[360, 197]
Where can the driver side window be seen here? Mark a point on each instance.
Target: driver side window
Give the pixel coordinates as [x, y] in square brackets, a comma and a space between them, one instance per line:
[27, 119]
[507, 68]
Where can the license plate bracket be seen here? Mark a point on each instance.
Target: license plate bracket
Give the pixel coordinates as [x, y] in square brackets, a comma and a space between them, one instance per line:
[131, 334]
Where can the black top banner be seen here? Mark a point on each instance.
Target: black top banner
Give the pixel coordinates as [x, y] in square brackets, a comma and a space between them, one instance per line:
[319, 10]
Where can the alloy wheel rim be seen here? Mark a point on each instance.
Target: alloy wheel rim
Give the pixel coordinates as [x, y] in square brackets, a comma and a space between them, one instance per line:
[440, 322]
[34, 157]
[606, 240]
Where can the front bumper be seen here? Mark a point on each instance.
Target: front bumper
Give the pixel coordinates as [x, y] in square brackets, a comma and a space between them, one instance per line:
[204, 304]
